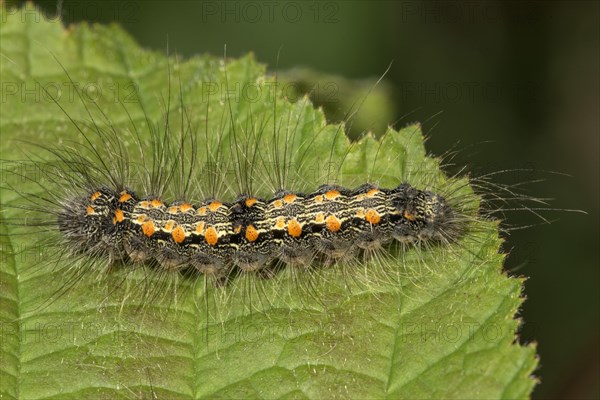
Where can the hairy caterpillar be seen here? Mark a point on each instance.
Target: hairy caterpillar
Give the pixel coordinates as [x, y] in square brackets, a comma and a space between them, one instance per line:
[182, 222]
[252, 232]
[105, 221]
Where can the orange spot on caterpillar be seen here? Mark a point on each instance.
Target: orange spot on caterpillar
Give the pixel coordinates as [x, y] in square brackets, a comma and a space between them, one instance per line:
[409, 216]
[251, 233]
[200, 228]
[214, 206]
[185, 207]
[124, 197]
[319, 198]
[211, 236]
[280, 223]
[95, 196]
[201, 211]
[290, 198]
[178, 234]
[332, 194]
[173, 210]
[372, 216]
[333, 223]
[156, 203]
[250, 202]
[294, 228]
[277, 204]
[148, 228]
[90, 210]
[144, 204]
[119, 215]
[372, 192]
[170, 225]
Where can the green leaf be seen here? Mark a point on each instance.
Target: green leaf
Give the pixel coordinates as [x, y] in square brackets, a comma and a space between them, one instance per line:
[423, 323]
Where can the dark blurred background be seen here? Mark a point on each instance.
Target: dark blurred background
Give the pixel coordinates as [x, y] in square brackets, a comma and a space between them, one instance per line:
[516, 84]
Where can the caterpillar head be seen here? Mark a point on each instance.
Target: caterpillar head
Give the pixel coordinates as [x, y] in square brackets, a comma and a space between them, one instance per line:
[85, 218]
[423, 215]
